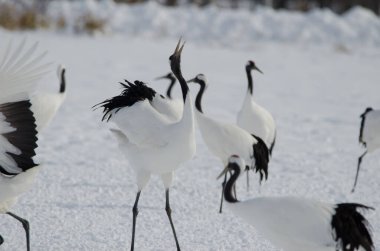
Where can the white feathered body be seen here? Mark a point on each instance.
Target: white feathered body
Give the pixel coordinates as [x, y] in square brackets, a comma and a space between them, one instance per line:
[151, 141]
[171, 108]
[12, 187]
[371, 130]
[224, 139]
[45, 106]
[257, 120]
[289, 222]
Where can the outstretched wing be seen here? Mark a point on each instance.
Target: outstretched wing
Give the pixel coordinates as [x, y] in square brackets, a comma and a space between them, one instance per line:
[20, 69]
[18, 137]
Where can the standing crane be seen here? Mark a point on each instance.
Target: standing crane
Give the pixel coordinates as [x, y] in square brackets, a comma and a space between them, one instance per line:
[254, 118]
[152, 143]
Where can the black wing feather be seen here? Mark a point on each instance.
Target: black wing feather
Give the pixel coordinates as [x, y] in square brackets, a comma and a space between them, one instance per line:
[261, 154]
[24, 137]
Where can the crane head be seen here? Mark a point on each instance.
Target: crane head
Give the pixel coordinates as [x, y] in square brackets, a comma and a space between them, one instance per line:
[252, 66]
[175, 59]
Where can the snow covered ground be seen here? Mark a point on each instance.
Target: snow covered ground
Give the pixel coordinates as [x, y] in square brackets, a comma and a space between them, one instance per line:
[83, 198]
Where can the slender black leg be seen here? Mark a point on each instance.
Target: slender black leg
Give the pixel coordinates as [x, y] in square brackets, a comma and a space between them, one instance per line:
[169, 213]
[25, 224]
[221, 199]
[135, 212]
[1, 240]
[247, 170]
[357, 171]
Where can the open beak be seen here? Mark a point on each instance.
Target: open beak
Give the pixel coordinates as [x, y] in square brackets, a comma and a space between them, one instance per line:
[257, 69]
[225, 170]
[179, 47]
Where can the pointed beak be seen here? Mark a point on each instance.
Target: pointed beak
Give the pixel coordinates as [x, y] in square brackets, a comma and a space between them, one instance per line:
[225, 170]
[179, 47]
[257, 69]
[162, 77]
[191, 80]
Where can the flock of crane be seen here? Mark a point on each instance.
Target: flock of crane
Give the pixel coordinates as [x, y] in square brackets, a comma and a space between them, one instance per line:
[157, 135]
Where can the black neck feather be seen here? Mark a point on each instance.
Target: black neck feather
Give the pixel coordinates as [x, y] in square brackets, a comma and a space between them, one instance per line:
[198, 99]
[62, 87]
[171, 85]
[183, 83]
[250, 81]
[228, 193]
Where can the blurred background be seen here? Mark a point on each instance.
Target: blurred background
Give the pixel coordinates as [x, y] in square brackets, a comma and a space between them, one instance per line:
[48, 14]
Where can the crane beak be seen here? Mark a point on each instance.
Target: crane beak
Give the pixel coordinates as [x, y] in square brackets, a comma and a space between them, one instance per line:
[191, 80]
[257, 69]
[225, 170]
[179, 47]
[162, 77]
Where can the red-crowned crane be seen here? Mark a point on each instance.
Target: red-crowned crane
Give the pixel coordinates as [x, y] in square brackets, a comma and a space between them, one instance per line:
[224, 139]
[299, 224]
[254, 118]
[152, 143]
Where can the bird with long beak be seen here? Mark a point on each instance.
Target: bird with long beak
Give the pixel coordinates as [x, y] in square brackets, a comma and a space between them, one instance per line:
[224, 139]
[299, 224]
[254, 118]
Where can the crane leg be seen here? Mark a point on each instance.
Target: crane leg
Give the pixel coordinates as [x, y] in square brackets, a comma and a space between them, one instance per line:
[357, 171]
[135, 212]
[25, 224]
[247, 180]
[169, 213]
[221, 199]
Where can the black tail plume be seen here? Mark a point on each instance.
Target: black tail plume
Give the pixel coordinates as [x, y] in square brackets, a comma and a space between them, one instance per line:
[132, 93]
[261, 154]
[352, 230]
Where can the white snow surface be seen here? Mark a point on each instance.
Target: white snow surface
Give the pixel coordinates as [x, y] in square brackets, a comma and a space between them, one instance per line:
[231, 28]
[82, 198]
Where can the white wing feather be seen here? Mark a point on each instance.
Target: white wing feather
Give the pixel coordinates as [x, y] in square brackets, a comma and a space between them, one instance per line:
[142, 124]
[20, 69]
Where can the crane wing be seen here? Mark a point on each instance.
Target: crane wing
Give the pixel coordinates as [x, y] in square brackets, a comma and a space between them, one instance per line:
[134, 114]
[20, 69]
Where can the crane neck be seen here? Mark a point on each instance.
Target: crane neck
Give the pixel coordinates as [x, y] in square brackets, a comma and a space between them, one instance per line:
[184, 86]
[250, 80]
[198, 99]
[228, 193]
[62, 87]
[169, 90]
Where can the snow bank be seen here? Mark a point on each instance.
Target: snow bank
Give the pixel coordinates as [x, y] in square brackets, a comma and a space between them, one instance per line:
[226, 27]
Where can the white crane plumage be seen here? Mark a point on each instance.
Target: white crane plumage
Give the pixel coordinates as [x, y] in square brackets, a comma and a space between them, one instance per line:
[20, 69]
[254, 118]
[45, 105]
[152, 143]
[172, 107]
[225, 139]
[369, 135]
[298, 224]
